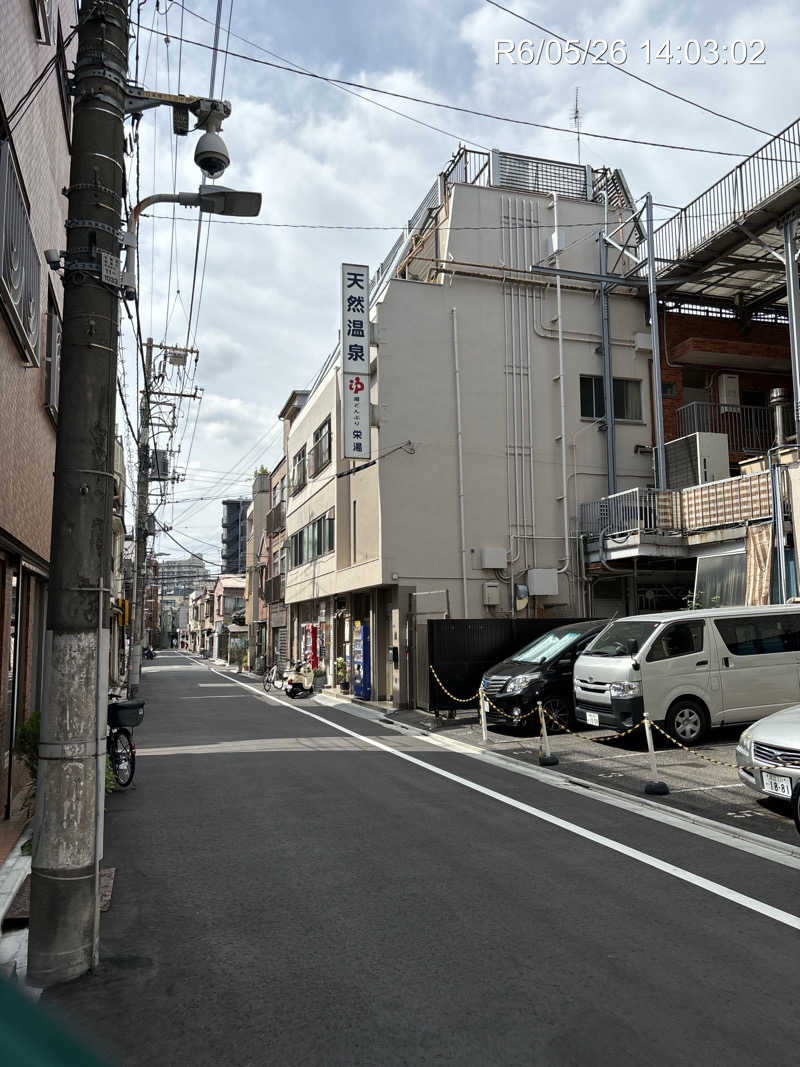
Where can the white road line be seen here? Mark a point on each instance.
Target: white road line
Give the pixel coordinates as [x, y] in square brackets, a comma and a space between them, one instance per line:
[214, 696]
[708, 788]
[214, 685]
[714, 888]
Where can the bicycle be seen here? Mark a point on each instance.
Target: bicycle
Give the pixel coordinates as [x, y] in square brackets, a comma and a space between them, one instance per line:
[123, 715]
[274, 676]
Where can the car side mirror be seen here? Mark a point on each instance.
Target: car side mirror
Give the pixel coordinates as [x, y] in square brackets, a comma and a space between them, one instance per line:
[565, 664]
[633, 646]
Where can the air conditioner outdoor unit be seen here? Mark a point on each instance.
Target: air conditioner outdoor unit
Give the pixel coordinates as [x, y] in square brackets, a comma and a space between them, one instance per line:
[728, 386]
[696, 458]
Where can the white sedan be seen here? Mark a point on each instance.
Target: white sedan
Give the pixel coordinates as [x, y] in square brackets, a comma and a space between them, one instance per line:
[768, 756]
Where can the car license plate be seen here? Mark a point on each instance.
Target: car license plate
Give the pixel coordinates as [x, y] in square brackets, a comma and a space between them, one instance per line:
[777, 784]
[592, 718]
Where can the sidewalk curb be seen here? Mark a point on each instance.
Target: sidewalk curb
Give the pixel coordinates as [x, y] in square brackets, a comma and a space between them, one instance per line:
[14, 871]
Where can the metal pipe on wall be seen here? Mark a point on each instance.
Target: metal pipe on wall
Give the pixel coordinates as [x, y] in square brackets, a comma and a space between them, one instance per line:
[562, 393]
[459, 436]
[658, 409]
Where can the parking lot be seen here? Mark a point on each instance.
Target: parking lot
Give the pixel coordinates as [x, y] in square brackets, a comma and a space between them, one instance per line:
[711, 790]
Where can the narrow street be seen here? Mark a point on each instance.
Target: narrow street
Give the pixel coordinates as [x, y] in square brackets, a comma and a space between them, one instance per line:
[289, 893]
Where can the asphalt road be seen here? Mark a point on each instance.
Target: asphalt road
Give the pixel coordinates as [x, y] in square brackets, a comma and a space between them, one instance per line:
[301, 885]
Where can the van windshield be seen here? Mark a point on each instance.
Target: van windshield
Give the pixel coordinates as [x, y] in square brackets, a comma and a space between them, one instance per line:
[547, 647]
[614, 640]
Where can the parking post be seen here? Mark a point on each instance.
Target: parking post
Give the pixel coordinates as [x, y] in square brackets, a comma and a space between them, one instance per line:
[482, 713]
[655, 787]
[546, 758]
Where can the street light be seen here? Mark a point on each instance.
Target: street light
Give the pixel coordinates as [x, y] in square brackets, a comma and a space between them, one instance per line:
[213, 199]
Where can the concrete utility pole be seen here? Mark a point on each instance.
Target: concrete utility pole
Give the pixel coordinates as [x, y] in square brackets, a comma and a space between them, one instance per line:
[67, 844]
[140, 527]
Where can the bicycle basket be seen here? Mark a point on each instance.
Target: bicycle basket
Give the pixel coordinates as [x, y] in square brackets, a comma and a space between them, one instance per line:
[127, 713]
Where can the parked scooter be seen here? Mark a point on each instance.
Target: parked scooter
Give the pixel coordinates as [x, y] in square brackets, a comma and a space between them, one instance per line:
[149, 653]
[300, 679]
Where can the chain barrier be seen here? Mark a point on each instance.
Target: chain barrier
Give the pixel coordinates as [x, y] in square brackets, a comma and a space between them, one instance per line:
[601, 740]
[718, 762]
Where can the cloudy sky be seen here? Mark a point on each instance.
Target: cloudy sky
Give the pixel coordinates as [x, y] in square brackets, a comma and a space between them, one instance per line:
[265, 309]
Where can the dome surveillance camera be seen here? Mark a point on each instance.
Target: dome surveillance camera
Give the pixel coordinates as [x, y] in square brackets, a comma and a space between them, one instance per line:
[211, 155]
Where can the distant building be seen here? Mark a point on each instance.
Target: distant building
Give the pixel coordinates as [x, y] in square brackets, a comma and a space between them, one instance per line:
[180, 576]
[234, 536]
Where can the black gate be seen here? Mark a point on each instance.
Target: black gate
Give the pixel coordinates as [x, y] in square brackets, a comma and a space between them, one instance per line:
[462, 650]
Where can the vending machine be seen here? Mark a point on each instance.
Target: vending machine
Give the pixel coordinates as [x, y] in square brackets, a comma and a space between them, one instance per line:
[361, 661]
[310, 647]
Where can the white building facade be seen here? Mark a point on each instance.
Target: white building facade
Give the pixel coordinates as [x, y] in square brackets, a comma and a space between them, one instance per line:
[487, 424]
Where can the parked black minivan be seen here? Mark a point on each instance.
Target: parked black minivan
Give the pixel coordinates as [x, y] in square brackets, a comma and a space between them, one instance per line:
[540, 671]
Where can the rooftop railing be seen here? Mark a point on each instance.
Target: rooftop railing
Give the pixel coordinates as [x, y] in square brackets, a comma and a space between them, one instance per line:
[764, 174]
[750, 429]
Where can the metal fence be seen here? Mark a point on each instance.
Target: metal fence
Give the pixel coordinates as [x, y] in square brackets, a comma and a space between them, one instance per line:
[462, 650]
[773, 168]
[542, 175]
[632, 511]
[729, 502]
[749, 428]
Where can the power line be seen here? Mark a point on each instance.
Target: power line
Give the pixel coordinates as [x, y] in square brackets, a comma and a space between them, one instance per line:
[358, 96]
[630, 74]
[465, 110]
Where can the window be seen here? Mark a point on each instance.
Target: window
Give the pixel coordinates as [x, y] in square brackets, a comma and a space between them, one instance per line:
[52, 356]
[20, 273]
[275, 565]
[680, 639]
[298, 470]
[320, 455]
[315, 539]
[627, 398]
[752, 636]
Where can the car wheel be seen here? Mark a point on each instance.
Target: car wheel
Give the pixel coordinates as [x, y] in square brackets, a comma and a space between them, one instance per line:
[557, 709]
[687, 721]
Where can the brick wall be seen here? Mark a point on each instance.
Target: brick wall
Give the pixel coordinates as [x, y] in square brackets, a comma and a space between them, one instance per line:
[27, 434]
[677, 328]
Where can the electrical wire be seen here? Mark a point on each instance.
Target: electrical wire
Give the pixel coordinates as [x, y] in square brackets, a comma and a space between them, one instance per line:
[19, 109]
[630, 73]
[468, 110]
[341, 88]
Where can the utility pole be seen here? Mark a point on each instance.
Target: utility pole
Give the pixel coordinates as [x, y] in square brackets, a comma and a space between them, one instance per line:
[67, 844]
[140, 527]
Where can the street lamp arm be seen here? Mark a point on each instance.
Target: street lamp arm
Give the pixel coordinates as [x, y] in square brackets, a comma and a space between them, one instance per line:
[213, 199]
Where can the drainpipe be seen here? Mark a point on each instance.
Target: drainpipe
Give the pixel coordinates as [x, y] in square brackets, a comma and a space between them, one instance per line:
[562, 394]
[459, 436]
[776, 482]
[661, 474]
[608, 376]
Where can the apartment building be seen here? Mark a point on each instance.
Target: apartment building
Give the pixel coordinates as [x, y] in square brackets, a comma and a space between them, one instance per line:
[722, 525]
[34, 167]
[234, 536]
[487, 423]
[226, 613]
[273, 561]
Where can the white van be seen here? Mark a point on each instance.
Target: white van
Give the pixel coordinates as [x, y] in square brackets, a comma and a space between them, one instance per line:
[691, 670]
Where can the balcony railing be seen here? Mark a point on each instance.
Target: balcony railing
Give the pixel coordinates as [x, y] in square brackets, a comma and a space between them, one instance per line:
[274, 589]
[635, 510]
[729, 502]
[276, 519]
[749, 429]
[20, 269]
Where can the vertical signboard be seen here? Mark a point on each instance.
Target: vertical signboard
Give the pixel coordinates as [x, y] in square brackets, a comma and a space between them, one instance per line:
[355, 362]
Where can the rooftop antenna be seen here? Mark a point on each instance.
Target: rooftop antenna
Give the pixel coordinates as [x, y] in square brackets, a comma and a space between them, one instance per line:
[576, 118]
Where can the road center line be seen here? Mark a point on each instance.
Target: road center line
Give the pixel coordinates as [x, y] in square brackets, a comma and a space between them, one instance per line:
[714, 888]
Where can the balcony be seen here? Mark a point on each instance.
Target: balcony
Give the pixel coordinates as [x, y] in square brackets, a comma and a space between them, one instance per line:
[274, 589]
[668, 522]
[633, 511]
[276, 519]
[750, 430]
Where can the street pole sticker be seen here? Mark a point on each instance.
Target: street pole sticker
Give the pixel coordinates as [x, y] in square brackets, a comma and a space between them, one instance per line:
[355, 362]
